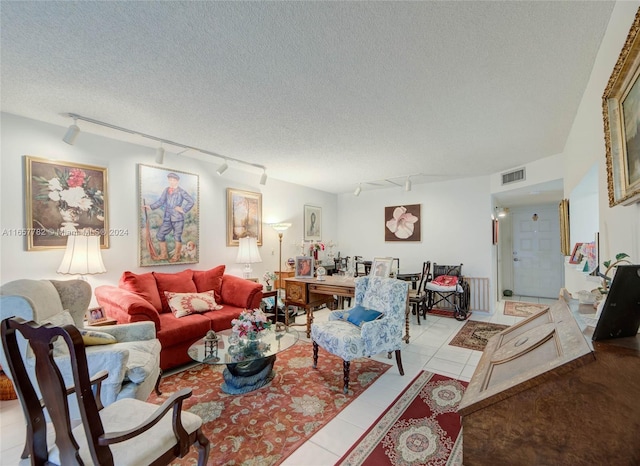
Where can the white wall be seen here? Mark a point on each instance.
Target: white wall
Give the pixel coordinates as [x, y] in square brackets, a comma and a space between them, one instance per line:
[281, 202]
[619, 226]
[456, 225]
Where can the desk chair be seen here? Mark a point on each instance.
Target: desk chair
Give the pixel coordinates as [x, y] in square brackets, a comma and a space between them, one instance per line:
[418, 297]
[352, 334]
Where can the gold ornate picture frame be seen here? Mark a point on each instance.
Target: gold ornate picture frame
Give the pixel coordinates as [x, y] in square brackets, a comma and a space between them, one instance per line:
[244, 216]
[62, 199]
[169, 212]
[621, 114]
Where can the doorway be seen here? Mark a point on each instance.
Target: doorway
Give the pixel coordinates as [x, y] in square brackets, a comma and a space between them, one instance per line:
[533, 263]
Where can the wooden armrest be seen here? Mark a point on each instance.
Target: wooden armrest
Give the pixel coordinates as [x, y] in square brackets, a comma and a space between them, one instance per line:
[175, 402]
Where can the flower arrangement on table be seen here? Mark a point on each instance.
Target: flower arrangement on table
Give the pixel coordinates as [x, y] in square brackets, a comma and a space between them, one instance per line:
[250, 323]
[268, 276]
[71, 191]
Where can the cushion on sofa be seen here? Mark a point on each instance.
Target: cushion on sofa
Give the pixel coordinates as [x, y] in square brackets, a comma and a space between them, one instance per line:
[183, 304]
[207, 280]
[144, 285]
[180, 282]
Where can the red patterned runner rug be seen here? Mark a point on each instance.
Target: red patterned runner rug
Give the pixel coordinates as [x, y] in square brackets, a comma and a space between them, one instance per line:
[421, 427]
[265, 426]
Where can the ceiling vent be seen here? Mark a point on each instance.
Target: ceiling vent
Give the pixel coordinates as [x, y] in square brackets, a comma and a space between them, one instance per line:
[513, 177]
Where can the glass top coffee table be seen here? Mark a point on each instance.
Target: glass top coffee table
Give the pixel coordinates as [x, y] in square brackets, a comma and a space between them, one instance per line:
[249, 362]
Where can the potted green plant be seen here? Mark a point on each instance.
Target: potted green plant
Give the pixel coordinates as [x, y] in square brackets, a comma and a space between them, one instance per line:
[621, 258]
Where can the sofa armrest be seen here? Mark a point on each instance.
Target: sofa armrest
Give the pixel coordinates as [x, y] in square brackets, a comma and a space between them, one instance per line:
[137, 331]
[124, 306]
[239, 292]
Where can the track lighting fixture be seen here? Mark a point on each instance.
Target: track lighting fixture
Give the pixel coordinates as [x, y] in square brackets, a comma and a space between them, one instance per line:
[72, 133]
[160, 155]
[407, 184]
[222, 168]
[358, 190]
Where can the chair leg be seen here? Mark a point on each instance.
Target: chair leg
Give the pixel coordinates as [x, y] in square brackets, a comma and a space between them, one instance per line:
[346, 365]
[399, 362]
[203, 445]
[315, 355]
[157, 387]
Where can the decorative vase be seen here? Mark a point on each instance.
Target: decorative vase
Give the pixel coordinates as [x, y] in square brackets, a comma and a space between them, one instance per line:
[315, 254]
[269, 287]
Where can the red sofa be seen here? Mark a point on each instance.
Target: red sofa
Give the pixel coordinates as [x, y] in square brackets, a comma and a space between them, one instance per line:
[141, 298]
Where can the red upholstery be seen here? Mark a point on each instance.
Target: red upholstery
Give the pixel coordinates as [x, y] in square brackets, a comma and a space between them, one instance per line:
[181, 282]
[207, 280]
[176, 335]
[143, 285]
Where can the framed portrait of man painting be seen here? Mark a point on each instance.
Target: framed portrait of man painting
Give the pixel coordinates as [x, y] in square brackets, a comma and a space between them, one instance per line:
[244, 216]
[621, 113]
[62, 199]
[402, 223]
[169, 216]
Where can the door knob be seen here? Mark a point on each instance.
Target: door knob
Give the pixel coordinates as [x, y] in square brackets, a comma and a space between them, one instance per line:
[515, 259]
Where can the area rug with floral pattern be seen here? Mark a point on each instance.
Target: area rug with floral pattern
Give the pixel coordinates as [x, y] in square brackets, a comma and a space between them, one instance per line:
[421, 427]
[475, 335]
[521, 309]
[265, 426]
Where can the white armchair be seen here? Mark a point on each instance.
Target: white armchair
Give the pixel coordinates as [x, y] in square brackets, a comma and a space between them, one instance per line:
[133, 362]
[373, 326]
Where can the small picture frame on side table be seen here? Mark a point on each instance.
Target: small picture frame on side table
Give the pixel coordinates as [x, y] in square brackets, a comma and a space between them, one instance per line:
[96, 316]
[304, 267]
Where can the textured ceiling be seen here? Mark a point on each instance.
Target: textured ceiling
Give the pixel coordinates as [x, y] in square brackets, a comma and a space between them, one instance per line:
[324, 94]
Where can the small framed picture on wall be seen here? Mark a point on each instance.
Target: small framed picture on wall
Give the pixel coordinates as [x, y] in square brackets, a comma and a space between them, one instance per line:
[312, 223]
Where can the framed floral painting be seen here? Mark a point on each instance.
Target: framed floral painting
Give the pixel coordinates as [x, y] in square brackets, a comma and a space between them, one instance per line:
[244, 216]
[169, 216]
[62, 199]
[402, 223]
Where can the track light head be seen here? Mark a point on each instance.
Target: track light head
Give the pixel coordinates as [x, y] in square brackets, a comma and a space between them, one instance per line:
[222, 168]
[263, 178]
[407, 184]
[72, 133]
[358, 190]
[160, 155]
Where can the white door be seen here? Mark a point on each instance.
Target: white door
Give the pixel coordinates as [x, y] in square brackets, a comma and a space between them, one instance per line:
[537, 260]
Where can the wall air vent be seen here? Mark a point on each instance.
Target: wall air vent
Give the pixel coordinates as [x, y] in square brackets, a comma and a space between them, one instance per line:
[514, 176]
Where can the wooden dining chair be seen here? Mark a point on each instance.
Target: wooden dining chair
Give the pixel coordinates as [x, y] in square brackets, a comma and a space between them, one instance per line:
[127, 432]
[418, 297]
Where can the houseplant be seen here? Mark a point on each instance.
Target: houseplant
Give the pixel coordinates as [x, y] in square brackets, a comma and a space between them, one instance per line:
[621, 258]
[267, 277]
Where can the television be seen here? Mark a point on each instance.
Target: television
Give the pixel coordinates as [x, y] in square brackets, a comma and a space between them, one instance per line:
[620, 316]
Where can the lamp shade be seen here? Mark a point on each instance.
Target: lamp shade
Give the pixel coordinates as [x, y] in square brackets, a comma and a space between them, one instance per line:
[82, 256]
[280, 227]
[248, 251]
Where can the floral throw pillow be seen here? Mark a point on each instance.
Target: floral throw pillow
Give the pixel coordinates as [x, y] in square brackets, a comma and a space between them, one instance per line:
[184, 304]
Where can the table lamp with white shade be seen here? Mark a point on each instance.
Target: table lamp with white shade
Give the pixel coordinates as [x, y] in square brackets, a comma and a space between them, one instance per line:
[82, 256]
[248, 254]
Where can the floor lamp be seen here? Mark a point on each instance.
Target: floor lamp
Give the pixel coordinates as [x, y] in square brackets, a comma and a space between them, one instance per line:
[280, 228]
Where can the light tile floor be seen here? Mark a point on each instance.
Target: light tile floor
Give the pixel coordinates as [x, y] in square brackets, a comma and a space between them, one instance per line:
[427, 350]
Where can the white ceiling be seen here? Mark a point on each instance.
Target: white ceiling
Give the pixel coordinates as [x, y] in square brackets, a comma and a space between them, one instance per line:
[324, 94]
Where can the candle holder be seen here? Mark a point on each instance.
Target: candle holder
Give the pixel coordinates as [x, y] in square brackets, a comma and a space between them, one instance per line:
[211, 346]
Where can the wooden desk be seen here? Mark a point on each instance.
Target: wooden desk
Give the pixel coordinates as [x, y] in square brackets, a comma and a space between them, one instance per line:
[543, 390]
[309, 293]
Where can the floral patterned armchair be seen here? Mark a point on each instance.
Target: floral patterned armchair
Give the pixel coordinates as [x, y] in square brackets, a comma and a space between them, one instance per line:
[374, 325]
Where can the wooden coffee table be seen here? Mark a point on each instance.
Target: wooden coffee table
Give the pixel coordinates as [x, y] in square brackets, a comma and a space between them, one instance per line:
[249, 365]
